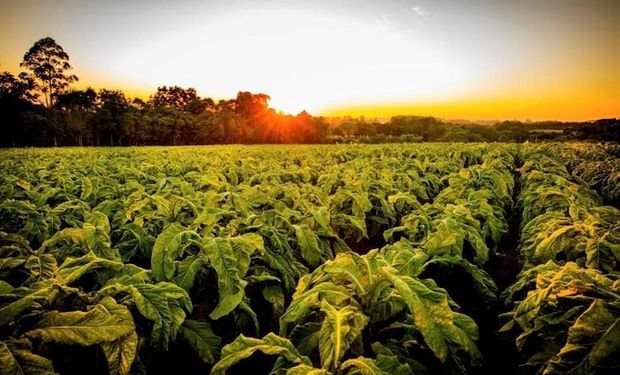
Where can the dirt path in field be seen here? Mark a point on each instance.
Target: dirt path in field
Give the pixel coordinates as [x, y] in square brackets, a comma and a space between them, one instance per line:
[499, 351]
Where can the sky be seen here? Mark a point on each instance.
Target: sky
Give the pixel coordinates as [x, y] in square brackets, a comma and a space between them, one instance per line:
[457, 59]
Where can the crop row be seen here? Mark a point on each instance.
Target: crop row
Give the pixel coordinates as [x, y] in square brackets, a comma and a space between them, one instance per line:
[566, 300]
[194, 249]
[598, 167]
[149, 258]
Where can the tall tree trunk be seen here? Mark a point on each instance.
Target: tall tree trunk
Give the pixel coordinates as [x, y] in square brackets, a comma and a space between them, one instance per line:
[49, 90]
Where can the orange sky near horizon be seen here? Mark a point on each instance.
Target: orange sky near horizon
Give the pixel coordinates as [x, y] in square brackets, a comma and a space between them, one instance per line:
[471, 60]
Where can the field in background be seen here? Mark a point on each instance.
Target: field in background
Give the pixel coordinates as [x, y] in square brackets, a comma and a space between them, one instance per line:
[351, 259]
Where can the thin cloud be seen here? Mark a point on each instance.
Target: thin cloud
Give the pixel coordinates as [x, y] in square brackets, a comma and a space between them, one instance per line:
[384, 23]
[419, 11]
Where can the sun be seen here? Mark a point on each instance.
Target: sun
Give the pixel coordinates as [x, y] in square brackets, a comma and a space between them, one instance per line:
[303, 60]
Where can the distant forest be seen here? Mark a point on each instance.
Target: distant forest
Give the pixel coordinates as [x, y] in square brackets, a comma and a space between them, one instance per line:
[38, 107]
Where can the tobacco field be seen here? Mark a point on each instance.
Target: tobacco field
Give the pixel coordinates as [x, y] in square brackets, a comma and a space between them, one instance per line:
[339, 259]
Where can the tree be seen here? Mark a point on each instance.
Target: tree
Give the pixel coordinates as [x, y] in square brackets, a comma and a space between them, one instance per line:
[200, 105]
[251, 105]
[17, 107]
[108, 117]
[174, 97]
[49, 63]
[21, 87]
[76, 108]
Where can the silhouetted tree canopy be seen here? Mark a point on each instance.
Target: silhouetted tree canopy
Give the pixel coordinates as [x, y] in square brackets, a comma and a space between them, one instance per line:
[21, 87]
[174, 97]
[48, 63]
[174, 115]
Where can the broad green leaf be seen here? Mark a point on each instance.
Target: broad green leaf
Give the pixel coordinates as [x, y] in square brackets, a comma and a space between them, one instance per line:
[166, 249]
[105, 322]
[230, 285]
[306, 337]
[75, 235]
[441, 328]
[304, 302]
[308, 244]
[356, 225]
[361, 204]
[362, 366]
[390, 364]
[275, 296]
[249, 243]
[98, 220]
[9, 312]
[97, 240]
[41, 267]
[134, 240]
[244, 246]
[17, 358]
[135, 207]
[121, 353]
[341, 329]
[74, 268]
[187, 270]
[552, 281]
[93, 236]
[302, 369]
[592, 342]
[406, 259]
[87, 188]
[165, 304]
[322, 218]
[5, 288]
[200, 336]
[606, 351]
[243, 312]
[10, 263]
[243, 347]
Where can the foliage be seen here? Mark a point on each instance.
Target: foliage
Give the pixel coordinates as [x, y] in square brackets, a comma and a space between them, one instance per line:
[367, 260]
[566, 300]
[48, 62]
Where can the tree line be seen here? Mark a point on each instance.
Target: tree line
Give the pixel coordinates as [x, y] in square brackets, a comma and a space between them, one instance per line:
[431, 129]
[38, 107]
